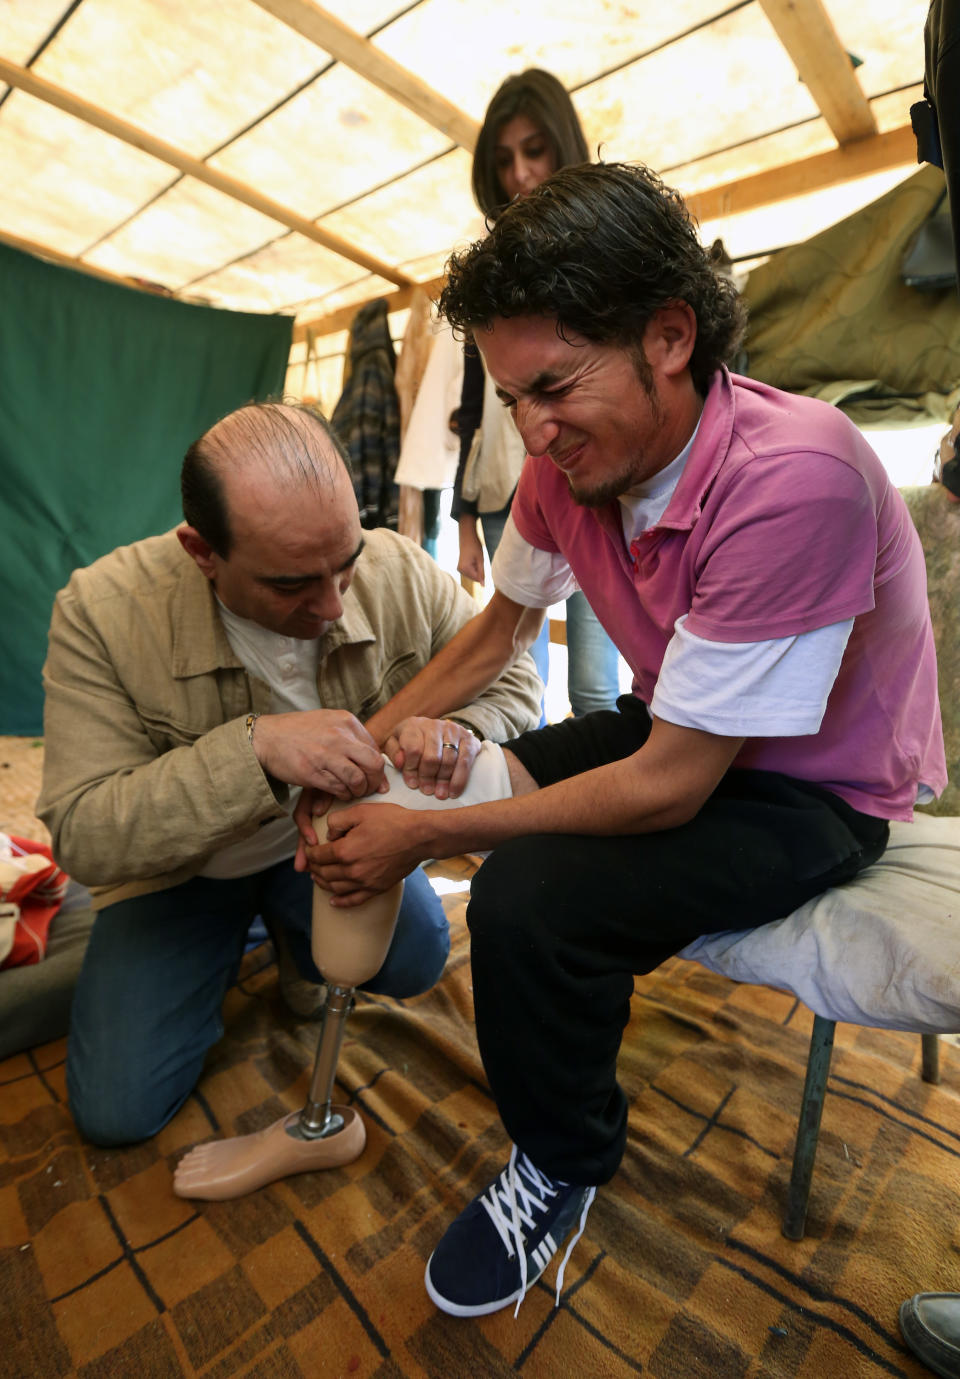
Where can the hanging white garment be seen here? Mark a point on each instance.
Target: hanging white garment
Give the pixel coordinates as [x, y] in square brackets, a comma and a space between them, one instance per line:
[430, 451]
[415, 351]
[496, 455]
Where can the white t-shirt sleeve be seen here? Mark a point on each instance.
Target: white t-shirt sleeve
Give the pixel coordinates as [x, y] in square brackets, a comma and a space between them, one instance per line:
[775, 688]
[535, 578]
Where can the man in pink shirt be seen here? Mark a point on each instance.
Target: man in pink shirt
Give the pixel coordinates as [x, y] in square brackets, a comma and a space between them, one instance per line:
[760, 575]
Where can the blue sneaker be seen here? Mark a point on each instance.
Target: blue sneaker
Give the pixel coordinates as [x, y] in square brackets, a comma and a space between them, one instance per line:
[501, 1243]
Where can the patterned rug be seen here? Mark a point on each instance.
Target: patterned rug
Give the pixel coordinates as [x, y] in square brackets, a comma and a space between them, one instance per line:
[682, 1271]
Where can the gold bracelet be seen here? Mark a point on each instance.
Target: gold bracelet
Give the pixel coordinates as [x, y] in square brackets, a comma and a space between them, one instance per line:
[250, 725]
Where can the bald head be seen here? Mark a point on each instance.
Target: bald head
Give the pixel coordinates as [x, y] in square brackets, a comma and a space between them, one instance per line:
[272, 520]
[268, 447]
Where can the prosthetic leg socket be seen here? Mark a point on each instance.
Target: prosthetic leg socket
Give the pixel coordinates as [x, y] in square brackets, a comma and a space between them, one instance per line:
[348, 947]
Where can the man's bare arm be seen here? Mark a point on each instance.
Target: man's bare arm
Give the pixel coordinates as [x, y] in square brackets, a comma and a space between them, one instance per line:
[663, 785]
[468, 664]
[473, 660]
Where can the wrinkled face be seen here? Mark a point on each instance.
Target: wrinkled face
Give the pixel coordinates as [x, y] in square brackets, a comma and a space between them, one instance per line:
[523, 157]
[582, 404]
[293, 556]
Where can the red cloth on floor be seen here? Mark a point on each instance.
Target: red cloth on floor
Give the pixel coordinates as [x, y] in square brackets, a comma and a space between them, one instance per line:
[32, 888]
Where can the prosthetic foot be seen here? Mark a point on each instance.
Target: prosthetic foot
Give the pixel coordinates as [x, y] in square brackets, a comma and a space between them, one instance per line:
[231, 1168]
[348, 947]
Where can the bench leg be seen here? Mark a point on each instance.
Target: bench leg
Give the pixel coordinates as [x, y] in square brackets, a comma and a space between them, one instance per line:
[808, 1127]
[930, 1066]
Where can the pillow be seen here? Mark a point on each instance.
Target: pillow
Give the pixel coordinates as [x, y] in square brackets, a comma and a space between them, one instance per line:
[882, 950]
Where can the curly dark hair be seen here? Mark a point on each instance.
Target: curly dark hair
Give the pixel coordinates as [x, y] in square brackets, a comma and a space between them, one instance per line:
[601, 247]
[544, 101]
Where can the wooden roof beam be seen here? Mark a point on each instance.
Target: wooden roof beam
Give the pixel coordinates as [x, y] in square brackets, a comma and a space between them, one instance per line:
[44, 251]
[193, 167]
[889, 150]
[342, 318]
[806, 31]
[812, 174]
[358, 53]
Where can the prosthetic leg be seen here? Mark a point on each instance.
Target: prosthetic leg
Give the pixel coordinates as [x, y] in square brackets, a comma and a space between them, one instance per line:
[349, 947]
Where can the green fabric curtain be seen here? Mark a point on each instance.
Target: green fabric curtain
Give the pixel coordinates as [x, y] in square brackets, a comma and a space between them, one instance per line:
[832, 317]
[102, 388]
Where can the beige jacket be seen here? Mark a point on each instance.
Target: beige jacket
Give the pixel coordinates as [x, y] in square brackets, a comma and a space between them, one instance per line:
[147, 766]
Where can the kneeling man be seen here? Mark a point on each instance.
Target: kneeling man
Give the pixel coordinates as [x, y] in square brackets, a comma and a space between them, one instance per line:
[194, 682]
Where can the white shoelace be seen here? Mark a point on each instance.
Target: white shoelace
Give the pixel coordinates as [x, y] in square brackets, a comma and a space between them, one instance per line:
[520, 1201]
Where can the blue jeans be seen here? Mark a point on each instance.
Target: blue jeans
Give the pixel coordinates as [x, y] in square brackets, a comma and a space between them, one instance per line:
[148, 1002]
[593, 679]
[592, 659]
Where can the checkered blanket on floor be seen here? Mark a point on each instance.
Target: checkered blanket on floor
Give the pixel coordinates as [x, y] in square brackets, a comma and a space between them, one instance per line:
[681, 1273]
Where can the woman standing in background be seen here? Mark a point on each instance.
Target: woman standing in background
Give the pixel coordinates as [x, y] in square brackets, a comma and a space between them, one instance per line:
[529, 131]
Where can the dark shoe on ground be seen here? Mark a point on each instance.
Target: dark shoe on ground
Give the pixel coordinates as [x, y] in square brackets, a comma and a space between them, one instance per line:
[503, 1241]
[930, 1323]
[303, 998]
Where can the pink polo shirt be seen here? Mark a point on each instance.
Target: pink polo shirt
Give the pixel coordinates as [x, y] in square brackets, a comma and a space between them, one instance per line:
[783, 521]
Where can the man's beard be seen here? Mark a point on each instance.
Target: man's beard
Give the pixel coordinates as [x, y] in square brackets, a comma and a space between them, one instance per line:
[602, 494]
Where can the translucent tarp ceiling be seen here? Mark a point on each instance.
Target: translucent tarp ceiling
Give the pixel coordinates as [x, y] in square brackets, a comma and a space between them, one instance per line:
[705, 93]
